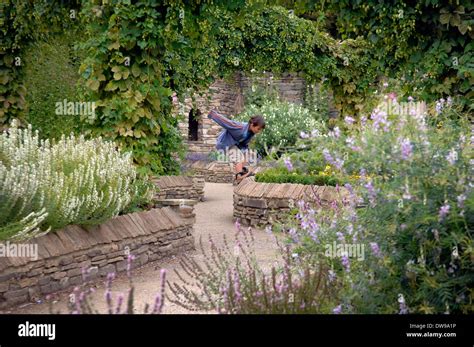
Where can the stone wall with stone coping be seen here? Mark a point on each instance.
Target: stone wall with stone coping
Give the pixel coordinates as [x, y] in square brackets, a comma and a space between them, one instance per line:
[65, 256]
[215, 171]
[220, 172]
[261, 204]
[180, 187]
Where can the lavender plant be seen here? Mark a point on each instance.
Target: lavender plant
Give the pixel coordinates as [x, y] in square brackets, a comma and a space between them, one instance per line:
[81, 299]
[231, 281]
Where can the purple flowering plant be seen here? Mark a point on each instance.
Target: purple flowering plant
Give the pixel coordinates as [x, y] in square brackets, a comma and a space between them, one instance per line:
[81, 300]
[414, 177]
[235, 282]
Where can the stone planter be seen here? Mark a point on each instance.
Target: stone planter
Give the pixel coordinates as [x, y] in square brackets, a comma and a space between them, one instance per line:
[260, 204]
[74, 254]
[198, 183]
[184, 207]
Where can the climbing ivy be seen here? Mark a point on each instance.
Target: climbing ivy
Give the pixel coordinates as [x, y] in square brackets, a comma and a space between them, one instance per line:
[425, 45]
[140, 52]
[137, 55]
[274, 39]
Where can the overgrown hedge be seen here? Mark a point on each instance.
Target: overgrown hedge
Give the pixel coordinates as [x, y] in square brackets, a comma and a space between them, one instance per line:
[51, 76]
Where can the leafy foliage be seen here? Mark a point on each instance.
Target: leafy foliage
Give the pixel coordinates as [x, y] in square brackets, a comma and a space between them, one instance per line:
[22, 22]
[284, 123]
[281, 175]
[134, 63]
[425, 44]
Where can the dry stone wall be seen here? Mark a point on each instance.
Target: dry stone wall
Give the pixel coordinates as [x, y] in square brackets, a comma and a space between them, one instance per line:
[74, 254]
[227, 96]
[180, 187]
[215, 171]
[260, 204]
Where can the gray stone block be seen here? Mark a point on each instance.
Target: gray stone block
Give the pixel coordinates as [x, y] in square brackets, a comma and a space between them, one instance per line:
[17, 300]
[74, 272]
[59, 275]
[15, 293]
[4, 287]
[64, 282]
[76, 280]
[44, 280]
[46, 289]
[66, 260]
[104, 270]
[114, 260]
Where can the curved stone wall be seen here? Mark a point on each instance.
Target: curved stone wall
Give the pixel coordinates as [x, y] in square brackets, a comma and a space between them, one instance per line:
[260, 204]
[215, 171]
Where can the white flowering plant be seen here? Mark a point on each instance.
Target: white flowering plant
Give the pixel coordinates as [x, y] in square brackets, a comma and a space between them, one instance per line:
[412, 208]
[284, 123]
[71, 181]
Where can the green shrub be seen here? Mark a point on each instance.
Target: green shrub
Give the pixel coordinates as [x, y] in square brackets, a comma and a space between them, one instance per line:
[260, 91]
[280, 175]
[316, 99]
[25, 228]
[75, 181]
[51, 74]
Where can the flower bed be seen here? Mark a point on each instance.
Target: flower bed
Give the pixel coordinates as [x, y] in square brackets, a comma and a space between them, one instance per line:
[416, 184]
[47, 185]
[74, 254]
[280, 175]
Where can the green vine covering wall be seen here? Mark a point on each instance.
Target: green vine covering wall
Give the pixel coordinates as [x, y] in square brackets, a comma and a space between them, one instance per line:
[425, 45]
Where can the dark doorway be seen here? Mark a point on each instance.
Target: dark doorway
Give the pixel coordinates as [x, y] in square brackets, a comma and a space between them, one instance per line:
[193, 125]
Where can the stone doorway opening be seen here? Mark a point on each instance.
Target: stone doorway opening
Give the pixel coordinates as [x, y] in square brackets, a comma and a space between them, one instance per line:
[194, 125]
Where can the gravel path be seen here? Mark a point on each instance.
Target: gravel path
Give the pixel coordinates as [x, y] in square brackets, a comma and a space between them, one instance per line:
[213, 216]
